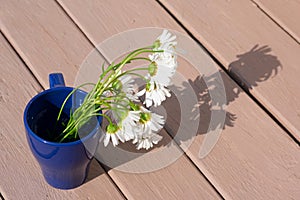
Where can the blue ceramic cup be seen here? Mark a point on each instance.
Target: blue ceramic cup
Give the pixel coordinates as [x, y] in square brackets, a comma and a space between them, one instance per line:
[64, 165]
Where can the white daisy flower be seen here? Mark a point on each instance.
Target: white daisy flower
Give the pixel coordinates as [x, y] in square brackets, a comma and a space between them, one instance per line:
[113, 133]
[129, 123]
[147, 141]
[166, 41]
[154, 94]
[150, 121]
[162, 67]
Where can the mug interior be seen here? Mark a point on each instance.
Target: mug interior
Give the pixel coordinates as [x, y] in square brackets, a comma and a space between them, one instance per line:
[41, 113]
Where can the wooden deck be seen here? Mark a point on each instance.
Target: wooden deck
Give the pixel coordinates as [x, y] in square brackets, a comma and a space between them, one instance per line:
[255, 45]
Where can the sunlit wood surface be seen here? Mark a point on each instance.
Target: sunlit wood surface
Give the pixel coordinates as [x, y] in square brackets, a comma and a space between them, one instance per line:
[254, 47]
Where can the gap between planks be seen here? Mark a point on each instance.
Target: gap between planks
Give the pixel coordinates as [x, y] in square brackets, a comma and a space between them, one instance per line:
[269, 15]
[26, 80]
[231, 75]
[43, 88]
[19, 56]
[72, 18]
[195, 170]
[79, 26]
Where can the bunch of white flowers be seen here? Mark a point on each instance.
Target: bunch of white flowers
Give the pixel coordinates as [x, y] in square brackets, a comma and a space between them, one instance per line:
[115, 92]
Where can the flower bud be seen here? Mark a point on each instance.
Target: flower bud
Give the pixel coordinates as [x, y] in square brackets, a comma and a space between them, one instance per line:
[112, 128]
[145, 117]
[152, 69]
[156, 44]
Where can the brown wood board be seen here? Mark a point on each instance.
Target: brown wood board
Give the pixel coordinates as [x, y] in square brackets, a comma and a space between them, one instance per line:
[257, 52]
[251, 120]
[55, 24]
[21, 177]
[285, 13]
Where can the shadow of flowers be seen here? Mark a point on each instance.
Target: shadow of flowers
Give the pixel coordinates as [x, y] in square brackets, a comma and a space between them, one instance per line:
[192, 111]
[254, 66]
[250, 68]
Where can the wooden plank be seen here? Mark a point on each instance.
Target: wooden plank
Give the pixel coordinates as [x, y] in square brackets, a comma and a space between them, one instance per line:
[258, 52]
[285, 13]
[20, 175]
[254, 158]
[51, 43]
[49, 24]
[178, 179]
[130, 16]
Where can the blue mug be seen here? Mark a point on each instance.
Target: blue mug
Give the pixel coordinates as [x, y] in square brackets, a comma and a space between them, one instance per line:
[64, 165]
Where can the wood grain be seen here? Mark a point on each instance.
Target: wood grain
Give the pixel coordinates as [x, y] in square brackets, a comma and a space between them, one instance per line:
[254, 158]
[156, 175]
[257, 52]
[252, 154]
[46, 39]
[97, 26]
[20, 175]
[51, 27]
[285, 13]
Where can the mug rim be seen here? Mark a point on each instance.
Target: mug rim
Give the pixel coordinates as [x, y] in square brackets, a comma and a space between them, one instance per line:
[29, 131]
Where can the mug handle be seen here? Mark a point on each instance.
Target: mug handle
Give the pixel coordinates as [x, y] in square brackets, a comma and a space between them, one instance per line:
[56, 80]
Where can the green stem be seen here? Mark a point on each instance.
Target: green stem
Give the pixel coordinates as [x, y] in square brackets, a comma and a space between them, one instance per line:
[69, 95]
